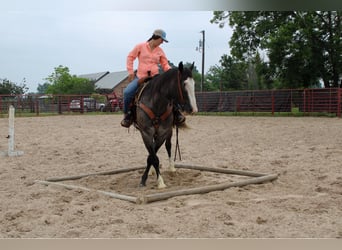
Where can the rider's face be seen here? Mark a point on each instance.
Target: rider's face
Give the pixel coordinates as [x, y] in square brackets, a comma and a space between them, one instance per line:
[159, 41]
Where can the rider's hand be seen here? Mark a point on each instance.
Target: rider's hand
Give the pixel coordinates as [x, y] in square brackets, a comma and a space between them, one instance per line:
[130, 77]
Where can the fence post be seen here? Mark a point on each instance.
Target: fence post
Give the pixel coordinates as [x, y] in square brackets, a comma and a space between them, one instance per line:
[238, 104]
[304, 101]
[36, 103]
[10, 137]
[59, 104]
[273, 108]
[82, 104]
[339, 93]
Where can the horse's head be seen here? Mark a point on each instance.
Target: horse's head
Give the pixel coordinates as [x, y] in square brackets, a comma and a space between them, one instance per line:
[186, 88]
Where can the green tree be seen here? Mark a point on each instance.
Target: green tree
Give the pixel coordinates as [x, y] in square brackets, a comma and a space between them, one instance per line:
[263, 73]
[62, 82]
[42, 88]
[302, 47]
[230, 75]
[213, 80]
[10, 88]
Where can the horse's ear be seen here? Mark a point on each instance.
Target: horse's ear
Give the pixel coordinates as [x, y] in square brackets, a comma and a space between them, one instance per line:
[192, 66]
[180, 66]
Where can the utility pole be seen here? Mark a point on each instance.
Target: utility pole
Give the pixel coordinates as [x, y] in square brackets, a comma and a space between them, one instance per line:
[203, 48]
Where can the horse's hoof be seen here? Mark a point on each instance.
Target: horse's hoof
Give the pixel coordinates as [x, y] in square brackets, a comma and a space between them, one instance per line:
[172, 170]
[161, 186]
[142, 185]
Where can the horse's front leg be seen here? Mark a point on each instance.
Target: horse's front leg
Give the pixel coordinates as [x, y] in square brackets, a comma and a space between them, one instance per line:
[160, 180]
[153, 160]
[145, 175]
[168, 149]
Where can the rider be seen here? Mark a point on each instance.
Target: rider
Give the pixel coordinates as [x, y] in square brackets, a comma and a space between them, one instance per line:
[149, 55]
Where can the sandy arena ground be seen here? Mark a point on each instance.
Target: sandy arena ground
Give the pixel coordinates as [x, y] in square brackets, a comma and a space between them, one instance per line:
[305, 201]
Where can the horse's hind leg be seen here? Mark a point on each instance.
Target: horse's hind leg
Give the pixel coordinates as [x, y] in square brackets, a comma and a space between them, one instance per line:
[153, 160]
[144, 177]
[168, 149]
[160, 181]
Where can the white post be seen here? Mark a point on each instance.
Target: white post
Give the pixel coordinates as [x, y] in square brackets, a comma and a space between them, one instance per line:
[11, 129]
[11, 151]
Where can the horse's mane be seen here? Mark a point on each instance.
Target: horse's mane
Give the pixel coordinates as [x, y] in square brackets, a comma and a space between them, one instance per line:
[158, 82]
[165, 85]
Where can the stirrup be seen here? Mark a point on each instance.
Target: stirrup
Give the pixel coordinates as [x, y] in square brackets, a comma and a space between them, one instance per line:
[127, 121]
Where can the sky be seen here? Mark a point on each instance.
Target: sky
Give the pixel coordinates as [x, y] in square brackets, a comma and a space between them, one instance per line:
[34, 41]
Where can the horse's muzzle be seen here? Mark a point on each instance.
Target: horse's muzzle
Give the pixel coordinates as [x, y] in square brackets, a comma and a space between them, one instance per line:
[195, 110]
[188, 109]
[190, 112]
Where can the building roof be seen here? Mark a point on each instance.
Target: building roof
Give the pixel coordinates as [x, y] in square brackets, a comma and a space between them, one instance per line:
[94, 76]
[111, 80]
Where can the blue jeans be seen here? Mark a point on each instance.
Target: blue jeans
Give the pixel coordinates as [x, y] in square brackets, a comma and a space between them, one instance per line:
[129, 93]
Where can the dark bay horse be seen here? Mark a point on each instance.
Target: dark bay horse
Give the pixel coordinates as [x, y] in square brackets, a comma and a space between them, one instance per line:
[154, 113]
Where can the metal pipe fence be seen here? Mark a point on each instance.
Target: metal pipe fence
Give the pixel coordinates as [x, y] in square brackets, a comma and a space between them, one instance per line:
[290, 101]
[305, 101]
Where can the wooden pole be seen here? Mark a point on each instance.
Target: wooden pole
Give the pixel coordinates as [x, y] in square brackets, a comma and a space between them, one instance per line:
[220, 170]
[258, 178]
[76, 177]
[206, 189]
[110, 194]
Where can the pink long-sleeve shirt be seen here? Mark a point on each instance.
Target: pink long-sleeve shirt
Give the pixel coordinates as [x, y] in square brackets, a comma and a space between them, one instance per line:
[148, 60]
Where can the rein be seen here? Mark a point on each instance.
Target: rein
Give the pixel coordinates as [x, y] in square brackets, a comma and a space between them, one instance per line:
[156, 121]
[180, 89]
[177, 147]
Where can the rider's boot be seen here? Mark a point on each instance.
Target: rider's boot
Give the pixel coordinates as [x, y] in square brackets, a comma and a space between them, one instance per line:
[127, 120]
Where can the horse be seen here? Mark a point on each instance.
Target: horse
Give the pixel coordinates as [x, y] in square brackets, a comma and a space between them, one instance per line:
[154, 116]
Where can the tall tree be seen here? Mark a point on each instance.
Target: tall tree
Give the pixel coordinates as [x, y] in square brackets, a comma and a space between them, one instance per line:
[42, 88]
[264, 75]
[230, 75]
[302, 47]
[10, 88]
[62, 82]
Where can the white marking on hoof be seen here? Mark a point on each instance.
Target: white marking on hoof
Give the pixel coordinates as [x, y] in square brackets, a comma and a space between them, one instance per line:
[160, 182]
[172, 165]
[152, 171]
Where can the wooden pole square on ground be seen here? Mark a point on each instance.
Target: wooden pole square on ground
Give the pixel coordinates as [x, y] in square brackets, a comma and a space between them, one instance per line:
[256, 178]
